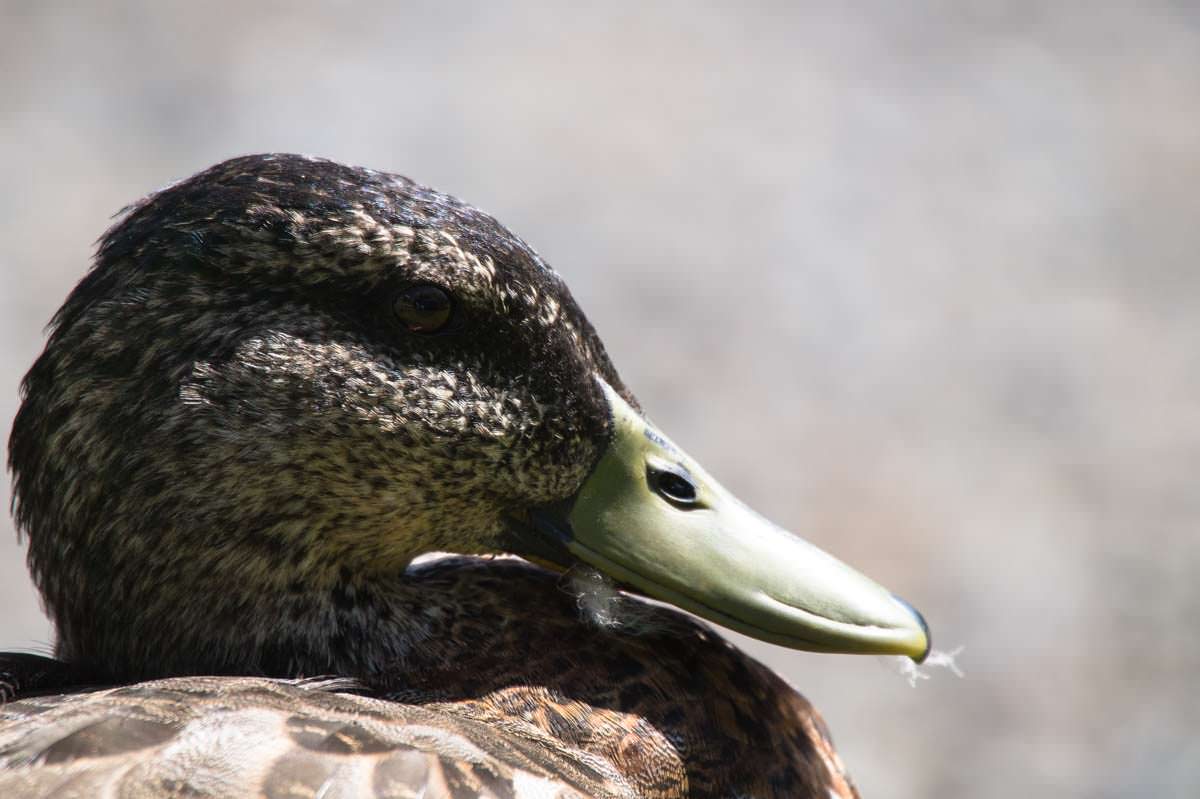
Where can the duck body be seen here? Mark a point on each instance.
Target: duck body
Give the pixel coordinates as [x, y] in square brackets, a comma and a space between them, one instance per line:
[657, 706]
[285, 380]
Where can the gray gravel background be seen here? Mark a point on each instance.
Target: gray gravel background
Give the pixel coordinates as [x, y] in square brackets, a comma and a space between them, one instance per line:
[917, 279]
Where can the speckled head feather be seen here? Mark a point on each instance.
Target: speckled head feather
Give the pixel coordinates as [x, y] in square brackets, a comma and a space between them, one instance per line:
[227, 457]
[291, 437]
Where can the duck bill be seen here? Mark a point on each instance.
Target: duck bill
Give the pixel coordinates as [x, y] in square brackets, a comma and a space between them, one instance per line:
[649, 516]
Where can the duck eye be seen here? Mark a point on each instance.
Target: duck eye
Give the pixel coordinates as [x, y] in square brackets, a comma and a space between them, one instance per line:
[423, 309]
[673, 487]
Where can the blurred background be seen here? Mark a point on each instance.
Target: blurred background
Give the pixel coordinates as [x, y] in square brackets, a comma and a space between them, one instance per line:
[917, 279]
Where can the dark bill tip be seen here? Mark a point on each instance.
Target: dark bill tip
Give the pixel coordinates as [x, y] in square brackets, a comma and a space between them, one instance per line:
[924, 626]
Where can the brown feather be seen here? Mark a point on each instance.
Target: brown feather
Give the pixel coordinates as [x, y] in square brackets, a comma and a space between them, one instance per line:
[228, 454]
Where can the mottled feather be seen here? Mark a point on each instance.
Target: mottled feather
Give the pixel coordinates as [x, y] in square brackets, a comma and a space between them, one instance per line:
[227, 458]
[222, 737]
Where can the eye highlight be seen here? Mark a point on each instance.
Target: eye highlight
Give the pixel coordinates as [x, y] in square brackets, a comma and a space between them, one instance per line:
[423, 309]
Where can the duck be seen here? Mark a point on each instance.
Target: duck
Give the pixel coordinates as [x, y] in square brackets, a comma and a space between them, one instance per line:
[330, 489]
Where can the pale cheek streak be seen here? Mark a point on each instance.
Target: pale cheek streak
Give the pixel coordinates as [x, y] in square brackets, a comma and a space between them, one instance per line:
[431, 419]
[426, 402]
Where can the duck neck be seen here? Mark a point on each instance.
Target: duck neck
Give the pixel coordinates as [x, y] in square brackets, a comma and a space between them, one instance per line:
[207, 620]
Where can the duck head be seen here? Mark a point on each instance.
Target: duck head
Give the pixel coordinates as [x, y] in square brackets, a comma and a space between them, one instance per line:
[289, 377]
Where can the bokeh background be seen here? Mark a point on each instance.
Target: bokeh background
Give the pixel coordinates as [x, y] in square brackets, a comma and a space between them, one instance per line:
[918, 279]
